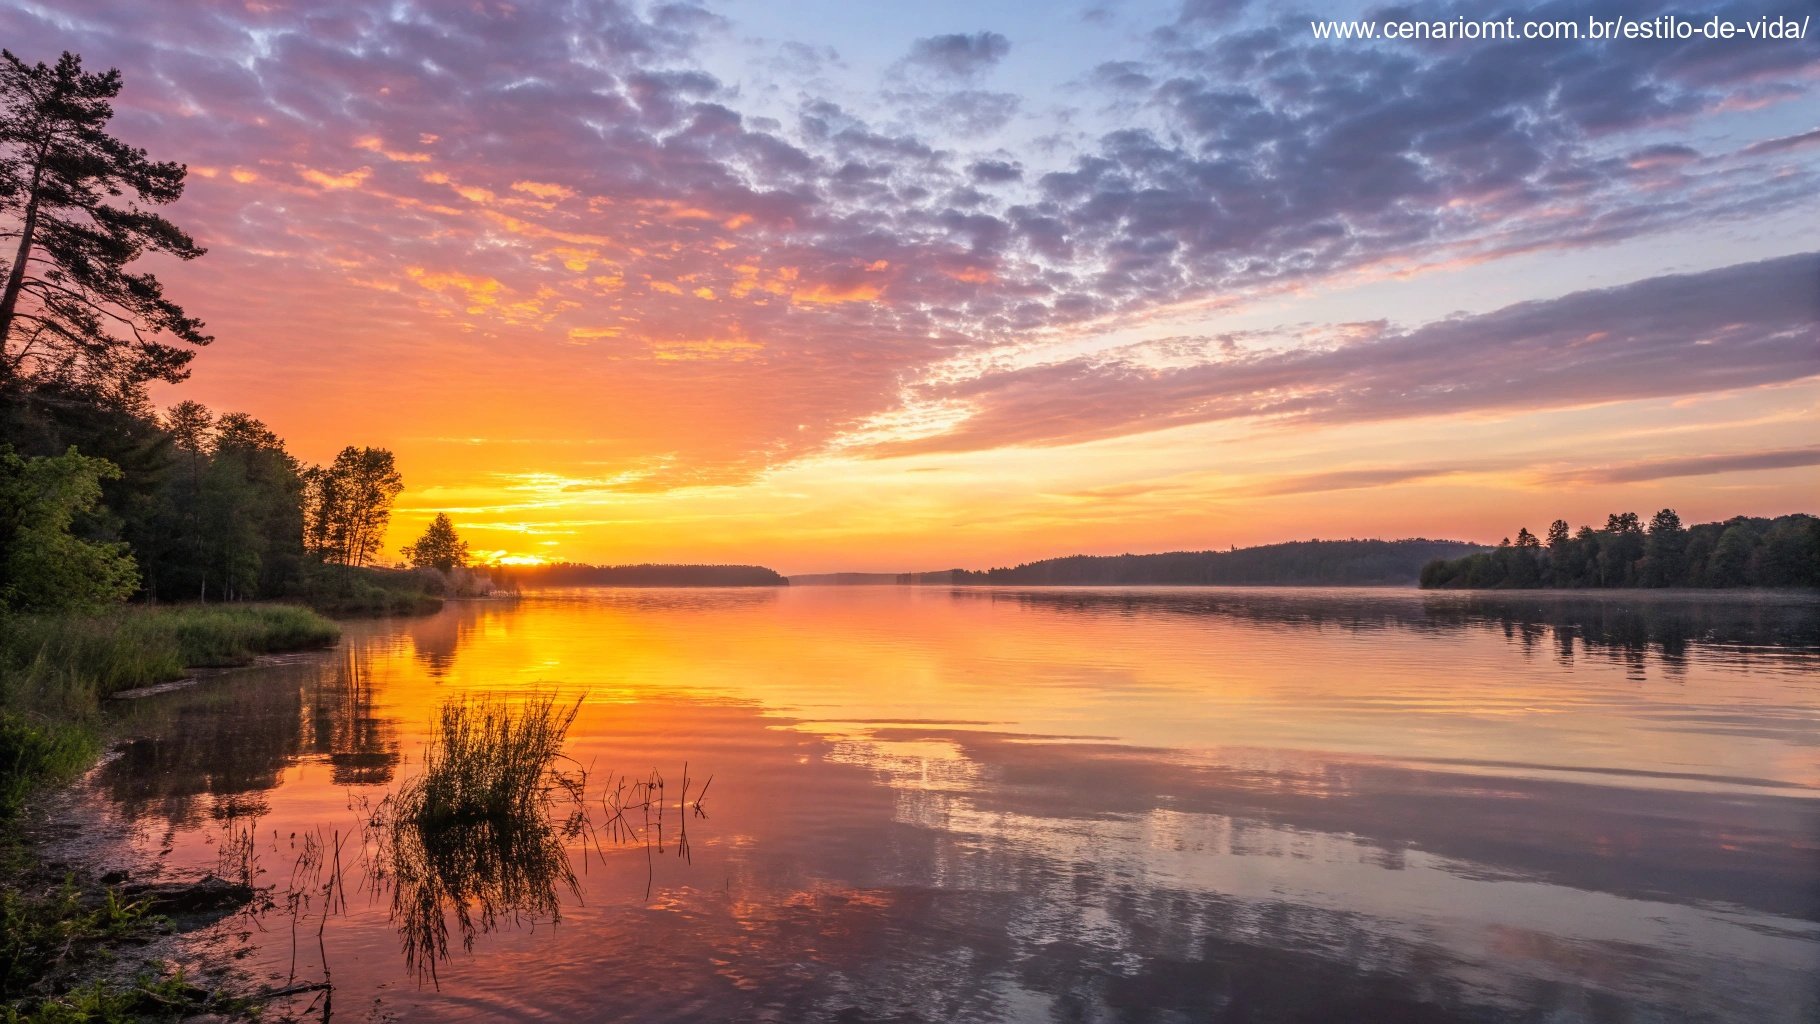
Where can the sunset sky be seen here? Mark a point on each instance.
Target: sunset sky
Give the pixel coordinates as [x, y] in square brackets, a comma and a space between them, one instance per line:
[831, 285]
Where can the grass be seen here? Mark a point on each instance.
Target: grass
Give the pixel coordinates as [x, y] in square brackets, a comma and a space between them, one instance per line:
[55, 670]
[489, 759]
[471, 838]
[42, 932]
[58, 939]
[61, 663]
[36, 751]
[57, 935]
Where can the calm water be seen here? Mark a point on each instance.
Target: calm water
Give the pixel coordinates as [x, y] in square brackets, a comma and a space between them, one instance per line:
[1054, 805]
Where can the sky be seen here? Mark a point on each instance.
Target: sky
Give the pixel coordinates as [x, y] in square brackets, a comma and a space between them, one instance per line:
[834, 286]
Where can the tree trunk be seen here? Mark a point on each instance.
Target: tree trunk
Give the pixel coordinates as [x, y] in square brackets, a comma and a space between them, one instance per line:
[15, 278]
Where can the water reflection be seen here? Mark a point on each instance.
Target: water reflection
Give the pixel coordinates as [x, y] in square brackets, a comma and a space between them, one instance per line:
[1629, 626]
[478, 873]
[1064, 805]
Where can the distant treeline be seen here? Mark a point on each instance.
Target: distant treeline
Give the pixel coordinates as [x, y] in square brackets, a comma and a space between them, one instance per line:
[1739, 552]
[567, 574]
[1297, 563]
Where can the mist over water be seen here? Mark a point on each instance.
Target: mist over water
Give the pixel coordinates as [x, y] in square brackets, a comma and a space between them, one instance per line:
[1037, 805]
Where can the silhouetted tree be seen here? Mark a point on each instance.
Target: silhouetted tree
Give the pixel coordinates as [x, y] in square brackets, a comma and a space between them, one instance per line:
[1558, 535]
[438, 548]
[71, 313]
[349, 503]
[1731, 557]
[1783, 552]
[1666, 550]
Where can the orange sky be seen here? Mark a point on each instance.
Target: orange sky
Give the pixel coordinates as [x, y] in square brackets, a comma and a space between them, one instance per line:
[671, 289]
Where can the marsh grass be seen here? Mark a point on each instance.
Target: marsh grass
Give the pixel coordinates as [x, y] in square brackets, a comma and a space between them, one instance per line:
[482, 835]
[67, 664]
[490, 760]
[472, 840]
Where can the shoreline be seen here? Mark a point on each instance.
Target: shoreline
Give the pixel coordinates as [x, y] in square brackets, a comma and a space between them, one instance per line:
[89, 935]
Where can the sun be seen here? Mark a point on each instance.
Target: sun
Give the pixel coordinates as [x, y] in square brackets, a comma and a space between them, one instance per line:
[502, 558]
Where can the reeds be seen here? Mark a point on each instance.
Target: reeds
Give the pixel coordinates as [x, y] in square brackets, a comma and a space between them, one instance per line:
[471, 838]
[489, 760]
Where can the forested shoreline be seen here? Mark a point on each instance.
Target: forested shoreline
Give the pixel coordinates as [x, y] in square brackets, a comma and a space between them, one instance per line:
[1296, 563]
[1743, 551]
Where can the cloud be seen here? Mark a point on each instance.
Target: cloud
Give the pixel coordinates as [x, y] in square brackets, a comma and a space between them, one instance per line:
[961, 54]
[1348, 480]
[1784, 144]
[1697, 465]
[565, 196]
[1742, 326]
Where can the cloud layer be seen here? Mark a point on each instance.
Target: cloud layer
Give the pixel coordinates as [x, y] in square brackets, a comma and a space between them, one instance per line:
[567, 194]
[1744, 326]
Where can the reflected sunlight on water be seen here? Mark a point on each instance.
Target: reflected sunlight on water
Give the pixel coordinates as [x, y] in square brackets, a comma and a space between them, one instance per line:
[1062, 804]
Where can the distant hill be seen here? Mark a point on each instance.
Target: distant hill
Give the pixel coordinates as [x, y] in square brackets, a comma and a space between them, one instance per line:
[1298, 563]
[566, 574]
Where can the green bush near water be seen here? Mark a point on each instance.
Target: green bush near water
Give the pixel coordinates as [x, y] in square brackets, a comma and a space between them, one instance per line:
[359, 591]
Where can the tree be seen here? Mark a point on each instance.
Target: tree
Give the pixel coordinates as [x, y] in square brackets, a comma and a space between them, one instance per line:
[1557, 535]
[439, 547]
[1790, 554]
[348, 504]
[71, 314]
[189, 424]
[1619, 549]
[1665, 553]
[1730, 564]
[43, 565]
[270, 505]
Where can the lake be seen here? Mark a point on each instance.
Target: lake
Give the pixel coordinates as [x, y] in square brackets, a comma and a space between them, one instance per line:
[974, 804]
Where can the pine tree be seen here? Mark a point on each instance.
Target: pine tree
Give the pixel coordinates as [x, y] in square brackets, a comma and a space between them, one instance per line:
[71, 314]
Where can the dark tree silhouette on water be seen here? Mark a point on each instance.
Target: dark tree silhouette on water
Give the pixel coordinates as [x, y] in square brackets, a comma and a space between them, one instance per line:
[73, 201]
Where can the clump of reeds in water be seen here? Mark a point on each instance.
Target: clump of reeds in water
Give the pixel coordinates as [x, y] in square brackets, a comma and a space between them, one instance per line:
[471, 839]
[490, 760]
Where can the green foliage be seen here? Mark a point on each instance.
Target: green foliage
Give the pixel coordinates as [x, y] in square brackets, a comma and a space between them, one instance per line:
[439, 548]
[71, 313]
[37, 752]
[39, 930]
[228, 512]
[470, 839]
[152, 995]
[68, 662]
[1740, 552]
[46, 566]
[55, 670]
[351, 591]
